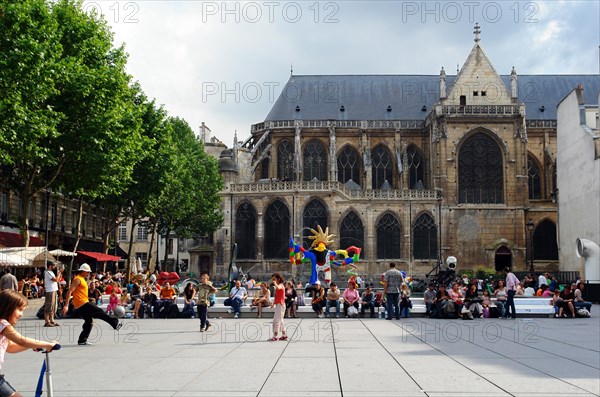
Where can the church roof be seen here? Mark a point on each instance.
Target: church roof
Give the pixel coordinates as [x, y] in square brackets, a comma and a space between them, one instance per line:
[408, 97]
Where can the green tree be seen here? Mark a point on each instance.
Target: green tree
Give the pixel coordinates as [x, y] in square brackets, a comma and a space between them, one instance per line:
[31, 155]
[190, 204]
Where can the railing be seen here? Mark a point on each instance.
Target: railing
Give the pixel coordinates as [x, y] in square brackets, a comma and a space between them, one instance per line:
[541, 124]
[477, 110]
[314, 186]
[363, 124]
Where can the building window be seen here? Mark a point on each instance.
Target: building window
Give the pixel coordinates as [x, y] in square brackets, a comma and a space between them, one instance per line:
[315, 213]
[83, 225]
[388, 237]
[264, 168]
[545, 247]
[277, 230]
[31, 213]
[415, 166]
[245, 231]
[348, 165]
[315, 161]
[425, 238]
[533, 181]
[63, 220]
[480, 176]
[122, 231]
[381, 163]
[142, 233]
[285, 161]
[352, 232]
[53, 215]
[170, 246]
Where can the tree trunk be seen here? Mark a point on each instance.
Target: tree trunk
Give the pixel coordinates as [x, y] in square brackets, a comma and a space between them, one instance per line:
[149, 261]
[131, 234]
[167, 234]
[77, 237]
[25, 195]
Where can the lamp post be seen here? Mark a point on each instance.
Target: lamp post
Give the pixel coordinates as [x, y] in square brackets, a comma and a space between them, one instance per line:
[530, 226]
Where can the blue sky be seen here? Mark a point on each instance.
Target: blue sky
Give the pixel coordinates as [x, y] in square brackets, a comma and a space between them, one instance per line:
[225, 63]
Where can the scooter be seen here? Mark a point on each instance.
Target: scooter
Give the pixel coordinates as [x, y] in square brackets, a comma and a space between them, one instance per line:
[48, 374]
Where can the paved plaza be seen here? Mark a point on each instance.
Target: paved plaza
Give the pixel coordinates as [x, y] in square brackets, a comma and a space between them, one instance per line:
[323, 357]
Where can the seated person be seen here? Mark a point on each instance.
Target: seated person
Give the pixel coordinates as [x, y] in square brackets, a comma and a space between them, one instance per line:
[579, 302]
[333, 299]
[473, 301]
[486, 303]
[290, 299]
[367, 299]
[441, 299]
[149, 300]
[405, 303]
[350, 297]
[317, 302]
[189, 295]
[429, 298]
[237, 295]
[261, 299]
[168, 297]
[379, 299]
[457, 297]
[568, 298]
[94, 294]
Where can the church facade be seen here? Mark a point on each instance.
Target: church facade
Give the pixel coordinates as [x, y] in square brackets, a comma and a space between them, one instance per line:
[412, 168]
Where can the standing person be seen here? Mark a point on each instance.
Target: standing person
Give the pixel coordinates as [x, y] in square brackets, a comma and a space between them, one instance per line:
[82, 306]
[12, 305]
[279, 305]
[204, 290]
[392, 280]
[8, 281]
[512, 282]
[51, 294]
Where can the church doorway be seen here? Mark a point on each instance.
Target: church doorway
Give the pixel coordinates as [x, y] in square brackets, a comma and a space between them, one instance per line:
[503, 258]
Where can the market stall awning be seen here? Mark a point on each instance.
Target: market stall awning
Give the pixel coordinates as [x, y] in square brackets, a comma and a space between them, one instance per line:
[36, 256]
[7, 259]
[14, 240]
[59, 252]
[100, 257]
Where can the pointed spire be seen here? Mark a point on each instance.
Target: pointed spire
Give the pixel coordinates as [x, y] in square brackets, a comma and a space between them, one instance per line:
[477, 32]
[291, 69]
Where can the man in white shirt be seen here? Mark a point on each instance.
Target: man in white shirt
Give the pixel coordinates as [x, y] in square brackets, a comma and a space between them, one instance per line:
[50, 304]
[542, 281]
[238, 295]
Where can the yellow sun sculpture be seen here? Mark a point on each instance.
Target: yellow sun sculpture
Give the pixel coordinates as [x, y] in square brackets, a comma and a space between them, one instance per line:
[321, 239]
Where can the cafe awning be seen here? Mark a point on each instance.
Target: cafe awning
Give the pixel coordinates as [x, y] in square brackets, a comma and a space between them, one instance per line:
[99, 256]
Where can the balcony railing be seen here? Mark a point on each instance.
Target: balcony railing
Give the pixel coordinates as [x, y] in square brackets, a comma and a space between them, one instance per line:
[355, 124]
[328, 186]
[479, 110]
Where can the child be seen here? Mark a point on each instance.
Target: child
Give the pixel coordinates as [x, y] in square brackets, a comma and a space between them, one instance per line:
[279, 304]
[486, 303]
[113, 301]
[12, 305]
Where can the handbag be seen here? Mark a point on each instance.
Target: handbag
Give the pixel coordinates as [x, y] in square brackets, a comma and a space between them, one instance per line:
[352, 311]
[227, 302]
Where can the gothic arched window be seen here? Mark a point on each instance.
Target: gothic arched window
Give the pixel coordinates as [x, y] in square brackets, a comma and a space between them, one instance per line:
[348, 164]
[480, 176]
[381, 164]
[544, 241]
[285, 161]
[315, 213]
[245, 231]
[277, 230]
[415, 166]
[315, 161]
[388, 237]
[352, 232]
[425, 238]
[533, 181]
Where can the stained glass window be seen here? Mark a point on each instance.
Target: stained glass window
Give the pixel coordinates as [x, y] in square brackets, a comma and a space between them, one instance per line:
[388, 237]
[480, 176]
[277, 230]
[315, 161]
[245, 231]
[348, 165]
[425, 238]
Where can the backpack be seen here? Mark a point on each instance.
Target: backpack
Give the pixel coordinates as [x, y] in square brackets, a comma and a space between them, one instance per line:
[583, 312]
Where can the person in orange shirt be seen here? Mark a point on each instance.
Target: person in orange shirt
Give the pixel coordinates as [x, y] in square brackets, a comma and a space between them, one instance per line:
[168, 292]
[82, 306]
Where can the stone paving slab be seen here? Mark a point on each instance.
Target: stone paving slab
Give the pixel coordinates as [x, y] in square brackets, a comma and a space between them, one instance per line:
[323, 357]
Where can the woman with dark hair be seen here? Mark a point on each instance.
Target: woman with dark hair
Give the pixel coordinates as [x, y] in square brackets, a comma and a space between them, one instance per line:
[279, 306]
[290, 299]
[317, 301]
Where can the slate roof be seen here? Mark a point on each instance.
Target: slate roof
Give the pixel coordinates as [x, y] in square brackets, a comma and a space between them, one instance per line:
[367, 97]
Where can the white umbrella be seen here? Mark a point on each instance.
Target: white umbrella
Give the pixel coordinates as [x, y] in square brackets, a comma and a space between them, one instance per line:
[12, 260]
[59, 252]
[139, 265]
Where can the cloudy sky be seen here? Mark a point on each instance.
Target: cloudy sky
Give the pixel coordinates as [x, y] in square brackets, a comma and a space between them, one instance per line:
[225, 62]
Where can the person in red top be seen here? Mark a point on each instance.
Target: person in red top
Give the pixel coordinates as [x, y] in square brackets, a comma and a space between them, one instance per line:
[279, 305]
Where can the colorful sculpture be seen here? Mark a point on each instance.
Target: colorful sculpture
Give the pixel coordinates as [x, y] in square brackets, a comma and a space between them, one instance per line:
[320, 257]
